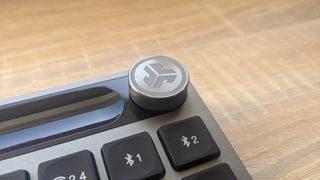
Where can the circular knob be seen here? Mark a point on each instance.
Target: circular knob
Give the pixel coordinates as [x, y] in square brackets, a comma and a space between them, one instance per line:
[158, 83]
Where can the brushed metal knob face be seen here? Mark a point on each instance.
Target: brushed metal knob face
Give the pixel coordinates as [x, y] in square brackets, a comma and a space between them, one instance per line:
[158, 83]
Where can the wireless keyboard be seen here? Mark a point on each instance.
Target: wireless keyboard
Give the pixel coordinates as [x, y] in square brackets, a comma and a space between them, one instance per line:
[148, 123]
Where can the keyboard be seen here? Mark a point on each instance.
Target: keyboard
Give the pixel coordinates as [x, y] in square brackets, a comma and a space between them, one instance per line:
[145, 124]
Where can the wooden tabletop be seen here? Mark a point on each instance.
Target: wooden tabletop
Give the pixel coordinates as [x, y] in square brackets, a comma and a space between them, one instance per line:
[255, 63]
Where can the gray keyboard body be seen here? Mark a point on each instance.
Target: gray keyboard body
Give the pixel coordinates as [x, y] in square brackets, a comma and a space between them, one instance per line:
[194, 106]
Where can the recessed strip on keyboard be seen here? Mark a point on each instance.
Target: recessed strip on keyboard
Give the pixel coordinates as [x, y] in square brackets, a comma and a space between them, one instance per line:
[50, 115]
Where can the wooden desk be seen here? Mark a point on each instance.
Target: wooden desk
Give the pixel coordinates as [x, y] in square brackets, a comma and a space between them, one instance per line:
[255, 63]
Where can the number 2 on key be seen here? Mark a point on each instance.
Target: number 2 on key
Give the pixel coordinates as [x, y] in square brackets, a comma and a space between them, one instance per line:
[194, 139]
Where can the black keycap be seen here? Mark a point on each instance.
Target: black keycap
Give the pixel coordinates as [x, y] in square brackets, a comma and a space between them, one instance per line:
[76, 166]
[133, 158]
[16, 175]
[188, 143]
[221, 171]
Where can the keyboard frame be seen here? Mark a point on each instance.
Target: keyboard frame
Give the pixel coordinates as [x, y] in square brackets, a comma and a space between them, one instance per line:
[194, 106]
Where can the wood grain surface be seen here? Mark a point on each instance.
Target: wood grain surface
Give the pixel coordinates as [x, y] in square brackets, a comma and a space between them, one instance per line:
[255, 63]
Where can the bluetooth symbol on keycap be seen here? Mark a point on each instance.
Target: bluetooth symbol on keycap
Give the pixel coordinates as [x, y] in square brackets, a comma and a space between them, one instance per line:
[129, 159]
[185, 141]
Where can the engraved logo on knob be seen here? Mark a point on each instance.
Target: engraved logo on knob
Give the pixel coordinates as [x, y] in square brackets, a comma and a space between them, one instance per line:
[157, 75]
[158, 83]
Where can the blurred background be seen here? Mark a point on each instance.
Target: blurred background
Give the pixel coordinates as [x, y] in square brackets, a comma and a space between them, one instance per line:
[255, 63]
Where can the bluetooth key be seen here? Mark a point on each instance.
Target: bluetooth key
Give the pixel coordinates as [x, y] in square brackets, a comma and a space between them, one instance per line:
[133, 158]
[188, 143]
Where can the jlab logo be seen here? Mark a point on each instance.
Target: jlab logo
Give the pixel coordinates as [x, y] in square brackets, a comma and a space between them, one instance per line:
[157, 75]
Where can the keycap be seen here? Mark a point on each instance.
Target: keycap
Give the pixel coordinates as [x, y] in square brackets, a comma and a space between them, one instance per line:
[16, 175]
[133, 158]
[76, 166]
[221, 171]
[188, 143]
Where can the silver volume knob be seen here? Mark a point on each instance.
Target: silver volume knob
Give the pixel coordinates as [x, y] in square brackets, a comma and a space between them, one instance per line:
[158, 83]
